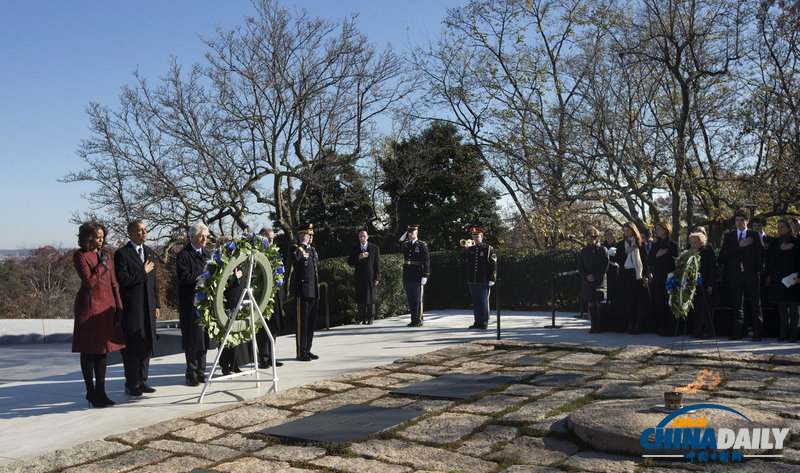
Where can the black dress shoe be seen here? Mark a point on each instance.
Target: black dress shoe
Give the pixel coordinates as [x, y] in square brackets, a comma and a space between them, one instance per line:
[781, 339]
[265, 365]
[414, 324]
[369, 322]
[192, 382]
[313, 356]
[482, 327]
[735, 337]
[473, 326]
[756, 339]
[146, 389]
[303, 358]
[133, 391]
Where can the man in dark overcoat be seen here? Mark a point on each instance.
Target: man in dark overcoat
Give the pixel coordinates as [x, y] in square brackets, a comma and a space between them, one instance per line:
[416, 270]
[275, 323]
[189, 264]
[365, 257]
[481, 275]
[138, 288]
[306, 290]
[743, 255]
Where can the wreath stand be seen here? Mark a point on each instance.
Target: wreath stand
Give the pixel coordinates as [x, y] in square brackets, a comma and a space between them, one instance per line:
[246, 298]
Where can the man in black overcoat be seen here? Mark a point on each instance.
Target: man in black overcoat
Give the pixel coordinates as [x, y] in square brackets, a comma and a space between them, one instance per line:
[365, 257]
[306, 290]
[275, 323]
[189, 264]
[138, 288]
[743, 255]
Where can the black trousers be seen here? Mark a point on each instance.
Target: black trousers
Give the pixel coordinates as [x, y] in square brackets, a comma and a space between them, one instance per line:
[701, 315]
[307, 308]
[790, 317]
[196, 365]
[634, 298]
[666, 320]
[136, 369]
[742, 283]
[366, 312]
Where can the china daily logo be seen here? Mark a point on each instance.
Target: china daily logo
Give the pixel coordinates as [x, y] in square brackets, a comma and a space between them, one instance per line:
[705, 442]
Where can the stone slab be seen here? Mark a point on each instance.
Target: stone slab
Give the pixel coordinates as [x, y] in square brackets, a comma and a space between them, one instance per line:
[421, 456]
[291, 452]
[577, 360]
[177, 464]
[67, 457]
[445, 428]
[490, 404]
[482, 442]
[343, 424]
[601, 462]
[562, 378]
[542, 451]
[247, 415]
[354, 396]
[455, 385]
[252, 465]
[124, 462]
[358, 465]
[537, 410]
[529, 360]
[212, 452]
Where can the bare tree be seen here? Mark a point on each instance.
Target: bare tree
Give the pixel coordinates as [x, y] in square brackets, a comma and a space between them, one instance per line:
[281, 96]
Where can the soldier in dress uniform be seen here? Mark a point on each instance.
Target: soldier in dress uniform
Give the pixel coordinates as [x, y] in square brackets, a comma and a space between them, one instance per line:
[416, 269]
[306, 290]
[481, 274]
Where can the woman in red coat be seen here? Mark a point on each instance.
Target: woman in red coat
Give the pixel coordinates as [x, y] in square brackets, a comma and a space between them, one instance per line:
[95, 333]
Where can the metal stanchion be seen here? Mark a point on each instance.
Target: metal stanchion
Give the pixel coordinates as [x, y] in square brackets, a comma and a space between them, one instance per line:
[327, 306]
[497, 304]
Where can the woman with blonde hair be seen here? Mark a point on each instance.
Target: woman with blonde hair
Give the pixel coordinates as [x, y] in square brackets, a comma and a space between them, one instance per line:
[700, 315]
[634, 272]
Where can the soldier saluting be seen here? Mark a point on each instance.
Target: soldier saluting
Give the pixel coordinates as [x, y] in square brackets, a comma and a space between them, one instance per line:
[481, 274]
[306, 290]
[416, 270]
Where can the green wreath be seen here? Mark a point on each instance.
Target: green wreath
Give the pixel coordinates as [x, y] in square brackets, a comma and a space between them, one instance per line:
[682, 284]
[214, 287]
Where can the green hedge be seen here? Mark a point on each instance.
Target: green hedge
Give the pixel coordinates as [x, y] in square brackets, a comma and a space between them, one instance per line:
[525, 276]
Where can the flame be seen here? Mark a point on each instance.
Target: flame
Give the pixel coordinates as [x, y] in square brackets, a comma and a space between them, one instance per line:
[706, 378]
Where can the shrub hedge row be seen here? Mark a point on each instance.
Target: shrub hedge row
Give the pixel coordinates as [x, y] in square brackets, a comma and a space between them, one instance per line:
[525, 283]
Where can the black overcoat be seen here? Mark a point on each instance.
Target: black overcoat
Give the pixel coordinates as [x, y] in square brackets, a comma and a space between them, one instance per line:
[139, 293]
[593, 260]
[367, 271]
[781, 263]
[661, 267]
[189, 264]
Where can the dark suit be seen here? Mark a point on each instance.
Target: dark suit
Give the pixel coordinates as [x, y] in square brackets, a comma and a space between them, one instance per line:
[367, 271]
[275, 324]
[139, 293]
[189, 264]
[416, 265]
[744, 266]
[306, 290]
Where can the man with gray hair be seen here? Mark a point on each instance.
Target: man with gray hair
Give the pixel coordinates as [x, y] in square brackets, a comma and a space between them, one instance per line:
[190, 264]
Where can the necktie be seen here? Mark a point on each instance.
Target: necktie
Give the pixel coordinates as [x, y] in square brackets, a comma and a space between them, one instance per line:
[741, 236]
[141, 254]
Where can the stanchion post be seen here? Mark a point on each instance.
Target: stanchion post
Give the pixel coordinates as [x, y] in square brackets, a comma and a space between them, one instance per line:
[327, 307]
[497, 303]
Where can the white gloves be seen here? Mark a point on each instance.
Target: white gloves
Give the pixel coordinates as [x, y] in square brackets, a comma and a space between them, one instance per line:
[423, 281]
[491, 283]
[402, 238]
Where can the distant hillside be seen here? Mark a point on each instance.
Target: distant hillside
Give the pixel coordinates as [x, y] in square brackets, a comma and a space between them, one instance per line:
[9, 254]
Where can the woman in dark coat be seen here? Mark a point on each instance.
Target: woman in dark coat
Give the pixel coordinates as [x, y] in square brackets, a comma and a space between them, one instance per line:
[610, 241]
[634, 294]
[592, 266]
[95, 333]
[783, 260]
[662, 262]
[703, 304]
[238, 355]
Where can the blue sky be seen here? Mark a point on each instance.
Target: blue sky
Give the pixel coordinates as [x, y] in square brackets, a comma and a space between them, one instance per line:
[57, 56]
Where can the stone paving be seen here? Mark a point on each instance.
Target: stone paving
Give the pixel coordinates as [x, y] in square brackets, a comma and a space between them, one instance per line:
[518, 427]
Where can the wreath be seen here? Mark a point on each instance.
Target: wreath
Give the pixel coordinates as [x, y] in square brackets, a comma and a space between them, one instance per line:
[216, 292]
[682, 283]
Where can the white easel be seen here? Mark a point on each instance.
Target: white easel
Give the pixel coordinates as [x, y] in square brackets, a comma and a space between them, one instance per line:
[245, 298]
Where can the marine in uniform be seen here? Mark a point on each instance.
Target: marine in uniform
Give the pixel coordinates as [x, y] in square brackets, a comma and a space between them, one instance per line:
[481, 274]
[416, 270]
[306, 290]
